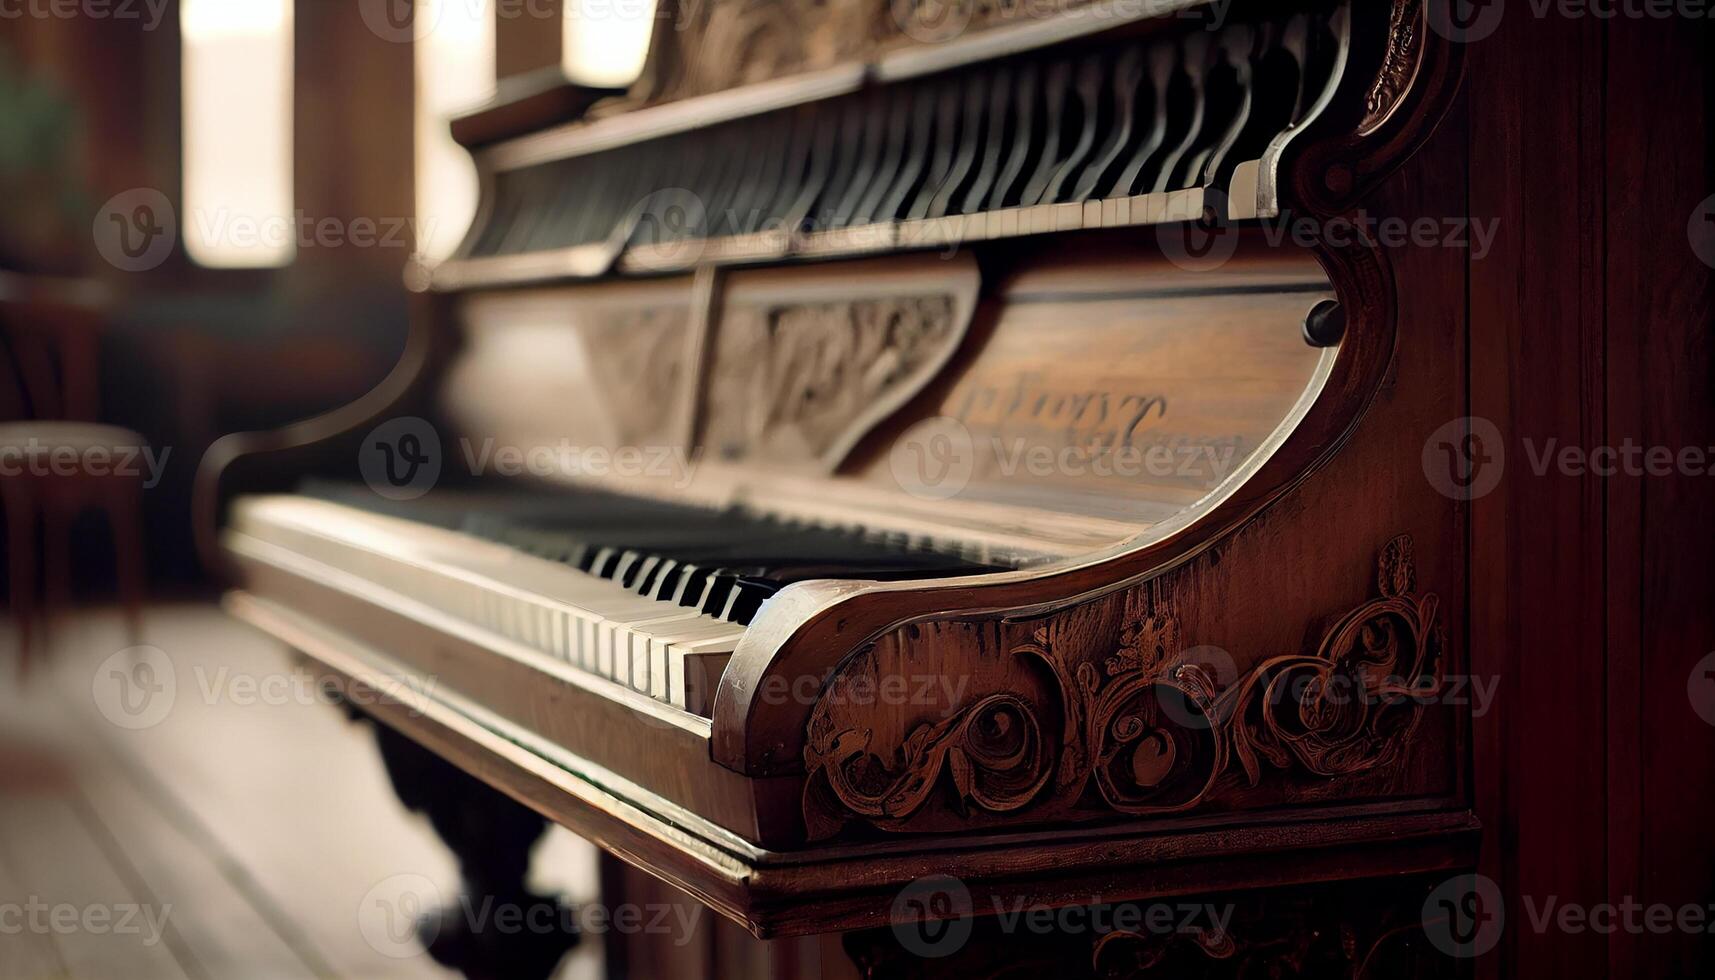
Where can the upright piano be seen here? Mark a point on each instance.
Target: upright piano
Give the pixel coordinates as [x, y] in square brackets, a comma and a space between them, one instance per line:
[898, 463]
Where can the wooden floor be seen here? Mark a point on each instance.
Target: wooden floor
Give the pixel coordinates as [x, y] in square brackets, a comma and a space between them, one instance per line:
[242, 834]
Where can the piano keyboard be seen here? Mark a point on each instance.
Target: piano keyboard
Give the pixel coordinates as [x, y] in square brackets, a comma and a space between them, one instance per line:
[1143, 131]
[648, 595]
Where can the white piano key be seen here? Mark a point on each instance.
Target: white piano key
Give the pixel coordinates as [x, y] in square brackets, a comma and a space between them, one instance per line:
[633, 639]
[662, 639]
[619, 614]
[670, 652]
[694, 669]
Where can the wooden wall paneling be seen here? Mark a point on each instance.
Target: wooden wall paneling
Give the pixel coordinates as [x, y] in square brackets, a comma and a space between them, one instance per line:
[1624, 382]
[1537, 588]
[353, 152]
[1661, 392]
[124, 100]
[527, 37]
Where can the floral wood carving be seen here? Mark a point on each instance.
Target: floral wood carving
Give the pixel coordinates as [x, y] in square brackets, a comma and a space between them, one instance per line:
[1150, 731]
[801, 382]
[715, 45]
[1399, 65]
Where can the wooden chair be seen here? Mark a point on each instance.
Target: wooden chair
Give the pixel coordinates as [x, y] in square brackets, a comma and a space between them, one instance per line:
[56, 462]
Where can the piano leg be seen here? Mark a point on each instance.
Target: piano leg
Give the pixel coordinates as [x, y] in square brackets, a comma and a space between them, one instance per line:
[497, 928]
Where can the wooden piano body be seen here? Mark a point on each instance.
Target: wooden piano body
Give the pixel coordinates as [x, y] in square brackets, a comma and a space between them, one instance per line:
[1034, 303]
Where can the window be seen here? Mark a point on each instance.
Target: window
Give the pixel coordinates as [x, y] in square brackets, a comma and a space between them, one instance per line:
[455, 70]
[237, 103]
[604, 42]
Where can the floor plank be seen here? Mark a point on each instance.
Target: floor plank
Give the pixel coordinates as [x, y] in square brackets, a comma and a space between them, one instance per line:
[236, 932]
[255, 809]
[24, 953]
[75, 891]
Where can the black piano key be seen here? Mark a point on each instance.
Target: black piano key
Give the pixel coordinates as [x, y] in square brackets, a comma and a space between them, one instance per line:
[1321, 54]
[688, 586]
[653, 568]
[625, 567]
[823, 154]
[870, 161]
[1128, 90]
[1185, 111]
[1094, 116]
[745, 598]
[1155, 124]
[605, 559]
[947, 98]
[898, 111]
[1227, 103]
[778, 208]
[996, 140]
[1274, 77]
[969, 144]
[642, 572]
[1057, 94]
[711, 599]
[1026, 123]
[910, 178]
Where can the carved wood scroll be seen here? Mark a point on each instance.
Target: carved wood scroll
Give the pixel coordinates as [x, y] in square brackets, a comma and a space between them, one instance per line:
[1148, 729]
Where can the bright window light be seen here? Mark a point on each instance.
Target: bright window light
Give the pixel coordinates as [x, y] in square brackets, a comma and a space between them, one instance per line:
[237, 101]
[604, 42]
[455, 70]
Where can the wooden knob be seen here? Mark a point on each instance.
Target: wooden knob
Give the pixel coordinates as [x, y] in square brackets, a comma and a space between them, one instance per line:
[1325, 324]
